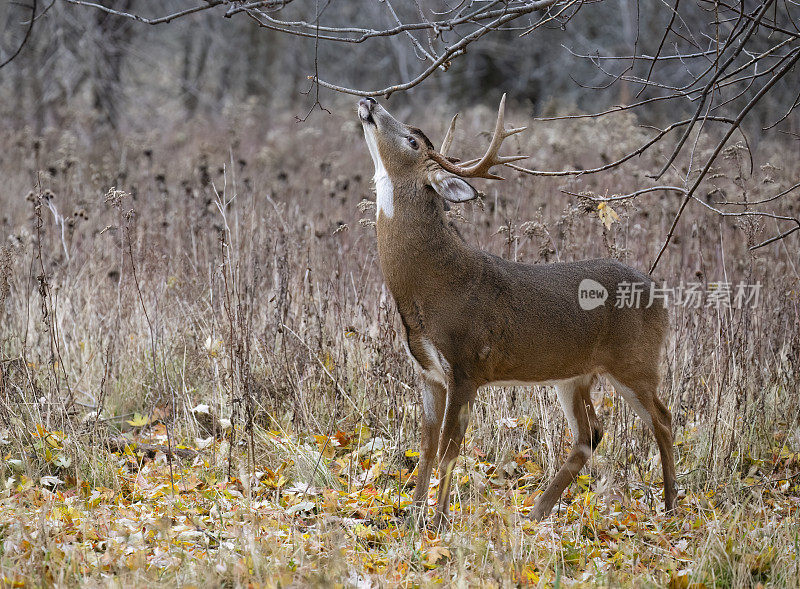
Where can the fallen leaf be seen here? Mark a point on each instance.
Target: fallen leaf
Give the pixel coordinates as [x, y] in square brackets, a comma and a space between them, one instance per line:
[302, 506]
[435, 554]
[138, 420]
[607, 215]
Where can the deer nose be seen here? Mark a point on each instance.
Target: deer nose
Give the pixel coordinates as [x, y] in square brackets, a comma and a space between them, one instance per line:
[367, 102]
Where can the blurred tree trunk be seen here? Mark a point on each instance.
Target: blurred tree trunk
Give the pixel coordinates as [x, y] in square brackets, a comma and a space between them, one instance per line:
[3, 25]
[113, 38]
[630, 23]
[256, 82]
[192, 71]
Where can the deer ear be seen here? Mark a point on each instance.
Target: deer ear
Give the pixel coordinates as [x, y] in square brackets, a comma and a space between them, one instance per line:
[451, 187]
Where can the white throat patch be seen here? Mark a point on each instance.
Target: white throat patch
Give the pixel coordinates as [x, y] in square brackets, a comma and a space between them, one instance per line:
[384, 189]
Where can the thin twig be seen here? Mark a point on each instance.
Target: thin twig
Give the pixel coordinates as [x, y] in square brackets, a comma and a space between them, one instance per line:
[25, 38]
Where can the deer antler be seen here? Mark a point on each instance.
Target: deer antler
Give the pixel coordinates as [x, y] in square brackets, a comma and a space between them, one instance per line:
[479, 168]
[448, 137]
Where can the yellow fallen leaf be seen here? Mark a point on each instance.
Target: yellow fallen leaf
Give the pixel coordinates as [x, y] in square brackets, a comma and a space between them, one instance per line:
[678, 581]
[189, 483]
[436, 554]
[138, 420]
[529, 575]
[607, 215]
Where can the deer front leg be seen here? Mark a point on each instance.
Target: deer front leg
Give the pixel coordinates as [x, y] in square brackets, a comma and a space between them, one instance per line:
[586, 434]
[434, 398]
[456, 419]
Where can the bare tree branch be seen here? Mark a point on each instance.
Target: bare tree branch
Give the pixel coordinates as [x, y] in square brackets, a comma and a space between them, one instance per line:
[150, 21]
[785, 69]
[25, 38]
[710, 62]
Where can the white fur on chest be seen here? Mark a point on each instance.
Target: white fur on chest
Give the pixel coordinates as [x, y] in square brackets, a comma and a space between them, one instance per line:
[384, 190]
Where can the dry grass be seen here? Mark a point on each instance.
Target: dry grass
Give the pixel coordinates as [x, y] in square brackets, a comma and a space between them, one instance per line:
[235, 268]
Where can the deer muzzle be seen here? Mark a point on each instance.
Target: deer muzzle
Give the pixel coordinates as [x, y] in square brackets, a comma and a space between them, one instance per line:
[365, 108]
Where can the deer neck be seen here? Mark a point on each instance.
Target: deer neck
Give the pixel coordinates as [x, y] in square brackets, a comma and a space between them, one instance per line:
[416, 239]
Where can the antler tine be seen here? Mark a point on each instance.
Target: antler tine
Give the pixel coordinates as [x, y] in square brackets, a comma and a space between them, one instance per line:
[448, 137]
[479, 168]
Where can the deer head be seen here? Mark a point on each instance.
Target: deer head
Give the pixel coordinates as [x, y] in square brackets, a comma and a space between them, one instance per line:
[402, 151]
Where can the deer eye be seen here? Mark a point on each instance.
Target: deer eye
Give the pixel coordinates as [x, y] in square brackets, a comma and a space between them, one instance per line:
[413, 142]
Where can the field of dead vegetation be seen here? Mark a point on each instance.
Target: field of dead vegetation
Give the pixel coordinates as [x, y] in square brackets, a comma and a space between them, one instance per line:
[202, 379]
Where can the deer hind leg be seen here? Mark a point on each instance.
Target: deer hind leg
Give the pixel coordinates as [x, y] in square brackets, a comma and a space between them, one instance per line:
[434, 398]
[642, 397]
[587, 432]
[454, 426]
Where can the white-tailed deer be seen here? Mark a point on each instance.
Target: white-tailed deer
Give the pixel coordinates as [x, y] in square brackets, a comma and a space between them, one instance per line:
[474, 319]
